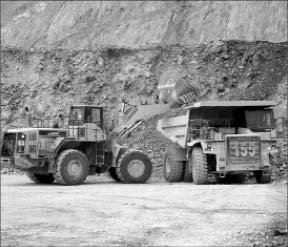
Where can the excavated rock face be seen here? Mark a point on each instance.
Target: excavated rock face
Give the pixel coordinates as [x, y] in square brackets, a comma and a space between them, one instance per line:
[50, 80]
[87, 24]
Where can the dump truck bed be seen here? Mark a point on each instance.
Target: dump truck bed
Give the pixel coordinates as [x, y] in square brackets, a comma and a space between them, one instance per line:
[174, 129]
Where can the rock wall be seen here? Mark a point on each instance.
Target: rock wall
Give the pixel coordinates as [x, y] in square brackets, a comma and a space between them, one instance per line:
[50, 80]
[90, 24]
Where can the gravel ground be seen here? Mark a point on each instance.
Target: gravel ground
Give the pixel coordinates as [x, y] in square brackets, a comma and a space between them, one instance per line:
[102, 212]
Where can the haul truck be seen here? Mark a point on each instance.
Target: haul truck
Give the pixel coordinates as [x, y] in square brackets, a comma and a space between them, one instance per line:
[218, 138]
[69, 155]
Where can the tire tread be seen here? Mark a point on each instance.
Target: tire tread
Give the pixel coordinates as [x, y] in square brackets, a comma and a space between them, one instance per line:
[176, 170]
[58, 175]
[200, 171]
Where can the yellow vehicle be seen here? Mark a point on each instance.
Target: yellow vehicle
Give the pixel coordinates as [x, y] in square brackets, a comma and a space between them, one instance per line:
[218, 138]
[69, 155]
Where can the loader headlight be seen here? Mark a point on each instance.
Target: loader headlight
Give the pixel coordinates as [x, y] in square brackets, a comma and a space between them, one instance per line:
[271, 146]
[21, 143]
[209, 146]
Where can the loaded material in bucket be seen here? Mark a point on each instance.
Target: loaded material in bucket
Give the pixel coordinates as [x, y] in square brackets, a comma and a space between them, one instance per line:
[184, 92]
[180, 93]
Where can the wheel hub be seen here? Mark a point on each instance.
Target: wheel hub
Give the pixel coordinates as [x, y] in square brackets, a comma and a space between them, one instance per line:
[136, 168]
[74, 168]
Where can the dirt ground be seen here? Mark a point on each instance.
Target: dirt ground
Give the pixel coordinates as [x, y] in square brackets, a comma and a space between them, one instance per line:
[102, 212]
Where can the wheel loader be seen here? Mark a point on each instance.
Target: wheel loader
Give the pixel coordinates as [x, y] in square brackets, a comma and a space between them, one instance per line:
[69, 155]
[218, 139]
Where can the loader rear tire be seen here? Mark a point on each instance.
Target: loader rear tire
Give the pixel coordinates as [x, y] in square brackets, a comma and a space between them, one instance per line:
[173, 170]
[72, 167]
[187, 175]
[134, 166]
[199, 164]
[113, 174]
[41, 178]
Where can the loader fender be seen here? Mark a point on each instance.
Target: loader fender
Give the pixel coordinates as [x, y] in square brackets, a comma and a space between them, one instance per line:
[117, 151]
[66, 143]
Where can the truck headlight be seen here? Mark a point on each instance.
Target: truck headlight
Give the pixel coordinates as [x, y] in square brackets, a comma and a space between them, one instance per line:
[210, 147]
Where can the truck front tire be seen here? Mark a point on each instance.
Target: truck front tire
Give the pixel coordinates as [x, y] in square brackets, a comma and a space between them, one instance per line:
[262, 178]
[72, 167]
[173, 170]
[199, 163]
[134, 166]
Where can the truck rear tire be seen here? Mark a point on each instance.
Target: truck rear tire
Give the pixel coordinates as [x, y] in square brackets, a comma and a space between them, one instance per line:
[72, 167]
[173, 170]
[41, 178]
[261, 178]
[134, 166]
[113, 174]
[199, 163]
[187, 175]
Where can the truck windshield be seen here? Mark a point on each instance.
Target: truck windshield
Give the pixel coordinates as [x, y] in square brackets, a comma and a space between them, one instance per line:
[260, 120]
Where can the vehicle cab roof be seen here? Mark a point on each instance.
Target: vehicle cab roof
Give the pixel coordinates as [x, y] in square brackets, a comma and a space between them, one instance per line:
[31, 129]
[94, 106]
[232, 104]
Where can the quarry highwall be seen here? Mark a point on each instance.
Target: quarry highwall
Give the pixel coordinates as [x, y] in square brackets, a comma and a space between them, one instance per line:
[90, 24]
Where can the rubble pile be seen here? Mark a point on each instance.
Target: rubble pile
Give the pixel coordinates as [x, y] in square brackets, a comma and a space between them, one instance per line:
[279, 161]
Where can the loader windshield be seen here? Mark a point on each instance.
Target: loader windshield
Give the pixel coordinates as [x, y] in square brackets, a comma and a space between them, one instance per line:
[76, 115]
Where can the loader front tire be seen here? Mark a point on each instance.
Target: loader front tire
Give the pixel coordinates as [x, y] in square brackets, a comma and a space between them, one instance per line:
[72, 167]
[173, 170]
[40, 178]
[199, 164]
[113, 174]
[134, 166]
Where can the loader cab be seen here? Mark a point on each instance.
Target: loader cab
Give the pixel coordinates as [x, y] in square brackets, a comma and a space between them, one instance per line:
[86, 123]
[80, 115]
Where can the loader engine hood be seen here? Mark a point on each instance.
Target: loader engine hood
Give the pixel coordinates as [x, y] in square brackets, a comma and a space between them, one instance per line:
[27, 147]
